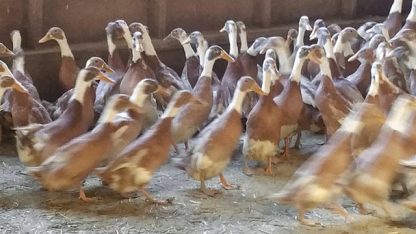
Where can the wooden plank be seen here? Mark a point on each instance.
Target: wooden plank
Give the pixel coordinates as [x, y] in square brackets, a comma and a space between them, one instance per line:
[262, 13]
[34, 21]
[157, 12]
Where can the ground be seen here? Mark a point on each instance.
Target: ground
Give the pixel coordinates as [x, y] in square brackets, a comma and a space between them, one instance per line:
[25, 208]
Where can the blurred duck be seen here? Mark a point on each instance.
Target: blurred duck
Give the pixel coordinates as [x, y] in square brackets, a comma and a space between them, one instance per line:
[165, 75]
[194, 115]
[316, 182]
[216, 143]
[71, 163]
[114, 30]
[376, 167]
[410, 20]
[347, 44]
[191, 68]
[133, 168]
[138, 71]
[262, 137]
[245, 64]
[37, 142]
[5, 52]
[22, 106]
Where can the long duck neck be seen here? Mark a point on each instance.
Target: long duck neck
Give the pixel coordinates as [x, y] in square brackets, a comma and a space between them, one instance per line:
[136, 55]
[171, 111]
[297, 69]
[300, 37]
[285, 66]
[201, 50]
[65, 50]
[243, 40]
[343, 48]
[267, 82]
[111, 45]
[80, 88]
[208, 66]
[396, 7]
[232, 37]
[412, 15]
[138, 97]
[149, 49]
[189, 52]
[237, 101]
[325, 68]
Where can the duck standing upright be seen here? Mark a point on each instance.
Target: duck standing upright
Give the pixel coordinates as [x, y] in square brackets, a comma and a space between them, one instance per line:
[193, 115]
[104, 90]
[216, 143]
[69, 70]
[35, 143]
[191, 68]
[165, 75]
[263, 131]
[133, 168]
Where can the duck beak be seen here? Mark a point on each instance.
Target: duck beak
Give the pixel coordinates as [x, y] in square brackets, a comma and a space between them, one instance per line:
[354, 57]
[256, 88]
[186, 41]
[45, 38]
[360, 38]
[167, 37]
[313, 33]
[8, 52]
[107, 68]
[223, 29]
[224, 55]
[19, 87]
[308, 27]
[312, 56]
[162, 91]
[105, 78]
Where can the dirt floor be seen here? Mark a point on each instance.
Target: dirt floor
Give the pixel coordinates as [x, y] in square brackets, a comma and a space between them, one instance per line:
[25, 208]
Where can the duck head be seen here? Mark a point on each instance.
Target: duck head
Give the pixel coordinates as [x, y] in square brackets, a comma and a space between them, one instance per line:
[364, 55]
[247, 84]
[5, 52]
[92, 73]
[319, 23]
[334, 28]
[270, 53]
[144, 89]
[276, 43]
[54, 33]
[376, 40]
[4, 69]
[178, 100]
[291, 35]
[100, 64]
[230, 27]
[241, 27]
[196, 38]
[315, 53]
[304, 23]
[350, 33]
[114, 30]
[215, 52]
[180, 35]
[10, 83]
[257, 46]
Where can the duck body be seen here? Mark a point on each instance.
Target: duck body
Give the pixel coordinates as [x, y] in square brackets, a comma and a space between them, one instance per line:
[27, 110]
[191, 70]
[262, 140]
[361, 78]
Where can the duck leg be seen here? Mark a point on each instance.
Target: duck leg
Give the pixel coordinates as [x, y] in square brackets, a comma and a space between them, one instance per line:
[285, 152]
[268, 170]
[209, 192]
[303, 220]
[153, 200]
[83, 197]
[336, 208]
[226, 185]
[246, 169]
[297, 143]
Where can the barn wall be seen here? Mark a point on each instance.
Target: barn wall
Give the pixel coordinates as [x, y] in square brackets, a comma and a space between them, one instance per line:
[84, 22]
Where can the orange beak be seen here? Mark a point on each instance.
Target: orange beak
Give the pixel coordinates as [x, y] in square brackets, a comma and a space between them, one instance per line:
[107, 68]
[46, 38]
[224, 55]
[19, 87]
[105, 78]
[314, 58]
[256, 88]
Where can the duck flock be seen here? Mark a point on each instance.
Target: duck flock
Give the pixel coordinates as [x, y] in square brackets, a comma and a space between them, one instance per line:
[356, 86]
